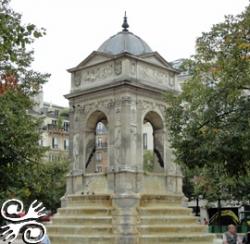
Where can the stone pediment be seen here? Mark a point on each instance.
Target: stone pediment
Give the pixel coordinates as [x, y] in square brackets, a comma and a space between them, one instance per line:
[93, 59]
[157, 59]
[100, 69]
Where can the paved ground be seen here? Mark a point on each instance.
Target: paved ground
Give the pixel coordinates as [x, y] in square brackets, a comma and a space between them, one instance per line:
[218, 241]
[15, 242]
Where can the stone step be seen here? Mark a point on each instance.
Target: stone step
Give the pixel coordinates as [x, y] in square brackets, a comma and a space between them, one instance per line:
[151, 229]
[78, 211]
[79, 229]
[165, 211]
[177, 238]
[81, 239]
[168, 219]
[89, 200]
[161, 200]
[82, 220]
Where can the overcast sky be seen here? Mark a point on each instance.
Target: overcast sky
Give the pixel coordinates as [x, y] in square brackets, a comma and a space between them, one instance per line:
[75, 28]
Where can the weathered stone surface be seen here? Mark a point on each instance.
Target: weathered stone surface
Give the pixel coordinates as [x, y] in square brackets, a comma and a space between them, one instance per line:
[123, 205]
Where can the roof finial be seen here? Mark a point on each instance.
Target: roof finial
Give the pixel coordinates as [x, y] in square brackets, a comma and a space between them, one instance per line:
[125, 23]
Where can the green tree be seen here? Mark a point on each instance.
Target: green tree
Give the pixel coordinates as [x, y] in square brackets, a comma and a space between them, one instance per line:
[15, 52]
[148, 160]
[18, 83]
[209, 120]
[30, 181]
[19, 131]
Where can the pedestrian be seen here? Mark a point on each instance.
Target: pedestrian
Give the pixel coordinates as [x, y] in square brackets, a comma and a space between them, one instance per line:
[231, 237]
[205, 221]
[45, 240]
[246, 238]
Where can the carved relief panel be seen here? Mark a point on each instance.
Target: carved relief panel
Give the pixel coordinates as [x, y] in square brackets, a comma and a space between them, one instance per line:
[97, 73]
[156, 75]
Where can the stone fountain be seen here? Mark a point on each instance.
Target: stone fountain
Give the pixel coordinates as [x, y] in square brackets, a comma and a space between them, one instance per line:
[122, 85]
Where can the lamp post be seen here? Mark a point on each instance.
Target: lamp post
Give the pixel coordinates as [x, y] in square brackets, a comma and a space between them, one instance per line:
[219, 214]
[197, 208]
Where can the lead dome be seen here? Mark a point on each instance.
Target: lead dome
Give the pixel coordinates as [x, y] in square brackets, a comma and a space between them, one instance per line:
[125, 41]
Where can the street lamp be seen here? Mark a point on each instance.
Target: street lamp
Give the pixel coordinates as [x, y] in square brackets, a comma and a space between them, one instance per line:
[197, 208]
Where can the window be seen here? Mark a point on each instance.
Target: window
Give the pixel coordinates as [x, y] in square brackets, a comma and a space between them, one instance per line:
[54, 143]
[99, 142]
[53, 122]
[98, 168]
[40, 142]
[145, 141]
[98, 156]
[99, 126]
[66, 144]
[66, 126]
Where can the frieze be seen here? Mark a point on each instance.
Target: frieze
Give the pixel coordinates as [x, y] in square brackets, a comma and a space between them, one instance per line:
[118, 67]
[105, 104]
[97, 73]
[161, 107]
[126, 99]
[147, 104]
[77, 79]
[156, 74]
[133, 67]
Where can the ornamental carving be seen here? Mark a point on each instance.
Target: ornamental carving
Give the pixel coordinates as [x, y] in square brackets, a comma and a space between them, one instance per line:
[77, 78]
[76, 140]
[133, 67]
[118, 67]
[117, 145]
[97, 73]
[126, 99]
[161, 107]
[156, 74]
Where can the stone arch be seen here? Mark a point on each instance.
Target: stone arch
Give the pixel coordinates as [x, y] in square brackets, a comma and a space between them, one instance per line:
[90, 138]
[157, 123]
[155, 119]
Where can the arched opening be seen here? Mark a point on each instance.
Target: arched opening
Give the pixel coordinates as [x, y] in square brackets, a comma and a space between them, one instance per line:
[96, 159]
[153, 143]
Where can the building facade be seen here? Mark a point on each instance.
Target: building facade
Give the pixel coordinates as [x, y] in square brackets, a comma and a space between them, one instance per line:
[54, 130]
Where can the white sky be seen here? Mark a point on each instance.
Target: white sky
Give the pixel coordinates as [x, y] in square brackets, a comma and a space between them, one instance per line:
[76, 28]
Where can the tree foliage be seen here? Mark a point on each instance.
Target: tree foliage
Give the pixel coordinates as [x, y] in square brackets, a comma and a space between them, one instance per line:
[19, 130]
[209, 120]
[18, 82]
[15, 52]
[30, 181]
[148, 160]
[23, 175]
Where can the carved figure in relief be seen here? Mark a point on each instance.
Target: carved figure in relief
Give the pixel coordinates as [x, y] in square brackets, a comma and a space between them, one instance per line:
[118, 67]
[76, 150]
[77, 78]
[117, 144]
[133, 68]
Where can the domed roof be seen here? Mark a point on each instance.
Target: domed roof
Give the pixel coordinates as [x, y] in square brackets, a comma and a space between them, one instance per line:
[125, 41]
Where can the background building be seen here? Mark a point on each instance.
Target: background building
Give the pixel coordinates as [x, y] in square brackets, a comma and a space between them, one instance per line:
[101, 154]
[55, 128]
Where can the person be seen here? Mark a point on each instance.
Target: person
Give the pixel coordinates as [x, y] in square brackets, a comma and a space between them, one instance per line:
[246, 238]
[205, 221]
[231, 237]
[45, 240]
